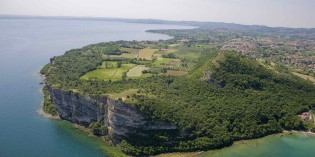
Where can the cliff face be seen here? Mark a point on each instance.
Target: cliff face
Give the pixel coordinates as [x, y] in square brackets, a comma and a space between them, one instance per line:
[77, 108]
[122, 120]
[125, 120]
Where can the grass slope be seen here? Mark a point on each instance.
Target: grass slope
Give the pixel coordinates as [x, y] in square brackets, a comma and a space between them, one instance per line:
[146, 53]
[113, 73]
[136, 71]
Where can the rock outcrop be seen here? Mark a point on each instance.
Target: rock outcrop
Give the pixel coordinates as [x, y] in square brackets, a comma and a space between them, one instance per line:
[122, 120]
[78, 108]
[125, 120]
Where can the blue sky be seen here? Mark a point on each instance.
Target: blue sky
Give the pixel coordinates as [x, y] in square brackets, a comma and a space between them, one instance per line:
[287, 13]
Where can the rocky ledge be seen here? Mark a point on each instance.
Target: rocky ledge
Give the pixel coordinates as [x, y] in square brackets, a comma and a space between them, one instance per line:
[122, 120]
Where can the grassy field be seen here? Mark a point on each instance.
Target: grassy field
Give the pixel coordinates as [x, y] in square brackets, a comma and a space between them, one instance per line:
[175, 73]
[306, 77]
[168, 63]
[146, 53]
[136, 71]
[112, 73]
[188, 53]
[160, 62]
[157, 56]
[123, 95]
[174, 45]
[129, 55]
[120, 71]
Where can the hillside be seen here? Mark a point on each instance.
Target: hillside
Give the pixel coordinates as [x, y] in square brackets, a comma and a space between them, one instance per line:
[219, 97]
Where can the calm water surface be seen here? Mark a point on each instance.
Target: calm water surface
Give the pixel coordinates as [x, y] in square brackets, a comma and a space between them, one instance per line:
[296, 145]
[25, 46]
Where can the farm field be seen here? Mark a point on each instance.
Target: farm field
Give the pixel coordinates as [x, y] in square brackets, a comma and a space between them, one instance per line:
[160, 62]
[157, 56]
[169, 63]
[146, 53]
[112, 73]
[136, 71]
[129, 55]
[184, 52]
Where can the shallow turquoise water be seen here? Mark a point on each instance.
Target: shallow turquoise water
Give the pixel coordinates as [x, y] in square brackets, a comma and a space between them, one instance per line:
[25, 46]
[296, 145]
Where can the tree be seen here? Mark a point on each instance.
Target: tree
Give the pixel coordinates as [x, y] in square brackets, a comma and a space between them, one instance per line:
[119, 64]
[124, 76]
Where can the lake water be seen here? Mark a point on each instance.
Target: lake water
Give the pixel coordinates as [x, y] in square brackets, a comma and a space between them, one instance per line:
[295, 145]
[25, 46]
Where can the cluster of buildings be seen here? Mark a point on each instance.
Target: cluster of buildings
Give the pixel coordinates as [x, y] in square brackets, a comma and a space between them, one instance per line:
[294, 53]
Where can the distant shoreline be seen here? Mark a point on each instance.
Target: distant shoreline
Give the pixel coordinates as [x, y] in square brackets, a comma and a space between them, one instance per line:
[200, 24]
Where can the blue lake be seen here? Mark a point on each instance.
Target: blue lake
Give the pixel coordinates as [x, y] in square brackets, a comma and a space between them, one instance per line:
[25, 46]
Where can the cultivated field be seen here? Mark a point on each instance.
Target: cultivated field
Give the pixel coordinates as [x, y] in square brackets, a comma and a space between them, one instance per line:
[111, 73]
[146, 53]
[136, 71]
[157, 56]
[163, 61]
[129, 55]
[188, 53]
[120, 71]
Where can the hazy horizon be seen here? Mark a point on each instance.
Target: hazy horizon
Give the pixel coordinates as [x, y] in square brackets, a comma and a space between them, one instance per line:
[280, 13]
